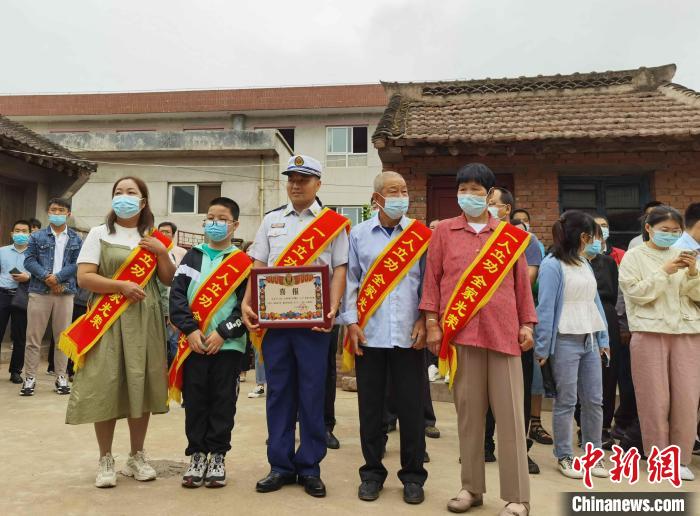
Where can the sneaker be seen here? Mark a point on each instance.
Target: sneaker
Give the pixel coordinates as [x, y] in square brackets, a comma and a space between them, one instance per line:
[696, 448]
[258, 392]
[607, 440]
[194, 476]
[106, 475]
[16, 378]
[532, 467]
[50, 372]
[539, 434]
[617, 433]
[216, 472]
[566, 467]
[28, 386]
[433, 373]
[61, 385]
[138, 468]
[686, 474]
[599, 470]
[447, 378]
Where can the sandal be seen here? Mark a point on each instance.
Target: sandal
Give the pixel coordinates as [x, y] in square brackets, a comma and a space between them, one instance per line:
[464, 501]
[507, 511]
[539, 434]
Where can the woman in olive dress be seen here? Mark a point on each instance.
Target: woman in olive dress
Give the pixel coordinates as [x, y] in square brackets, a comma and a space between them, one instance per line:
[125, 373]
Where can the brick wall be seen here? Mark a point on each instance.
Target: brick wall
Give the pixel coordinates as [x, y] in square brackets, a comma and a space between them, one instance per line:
[674, 178]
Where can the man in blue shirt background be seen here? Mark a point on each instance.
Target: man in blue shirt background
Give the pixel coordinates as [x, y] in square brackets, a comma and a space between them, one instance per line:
[14, 276]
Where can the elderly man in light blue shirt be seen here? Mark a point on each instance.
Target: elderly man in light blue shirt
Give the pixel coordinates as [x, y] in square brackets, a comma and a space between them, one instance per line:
[390, 345]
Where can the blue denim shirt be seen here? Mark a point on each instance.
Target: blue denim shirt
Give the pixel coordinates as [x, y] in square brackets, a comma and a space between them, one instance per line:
[38, 261]
[549, 305]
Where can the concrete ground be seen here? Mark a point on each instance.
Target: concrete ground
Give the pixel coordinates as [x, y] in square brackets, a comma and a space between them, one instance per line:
[48, 467]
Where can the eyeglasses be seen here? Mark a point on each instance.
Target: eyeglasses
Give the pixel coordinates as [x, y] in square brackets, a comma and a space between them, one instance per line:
[217, 222]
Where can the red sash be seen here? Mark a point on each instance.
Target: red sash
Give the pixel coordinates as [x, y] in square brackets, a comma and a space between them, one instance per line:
[305, 248]
[87, 330]
[387, 271]
[211, 294]
[476, 286]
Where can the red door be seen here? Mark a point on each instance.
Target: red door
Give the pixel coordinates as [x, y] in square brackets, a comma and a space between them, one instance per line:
[442, 195]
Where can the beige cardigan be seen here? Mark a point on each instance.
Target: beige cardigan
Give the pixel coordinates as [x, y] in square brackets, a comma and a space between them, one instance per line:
[658, 302]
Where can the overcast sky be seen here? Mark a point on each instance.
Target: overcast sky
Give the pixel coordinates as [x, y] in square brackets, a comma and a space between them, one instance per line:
[128, 45]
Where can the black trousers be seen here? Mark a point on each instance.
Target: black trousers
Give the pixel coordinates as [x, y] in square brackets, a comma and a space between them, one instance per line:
[406, 370]
[331, 378]
[209, 386]
[428, 410]
[527, 360]
[18, 330]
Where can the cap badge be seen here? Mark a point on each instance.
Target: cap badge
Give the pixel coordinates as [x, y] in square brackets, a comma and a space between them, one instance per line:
[298, 161]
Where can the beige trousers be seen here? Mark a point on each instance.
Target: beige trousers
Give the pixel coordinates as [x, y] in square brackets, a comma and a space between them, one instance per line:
[484, 377]
[666, 375]
[40, 308]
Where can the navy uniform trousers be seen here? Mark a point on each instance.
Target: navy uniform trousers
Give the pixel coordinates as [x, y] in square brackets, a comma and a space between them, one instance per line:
[296, 361]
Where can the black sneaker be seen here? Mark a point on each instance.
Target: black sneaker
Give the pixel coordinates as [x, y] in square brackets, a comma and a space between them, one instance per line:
[216, 472]
[28, 386]
[539, 434]
[532, 467]
[607, 440]
[16, 378]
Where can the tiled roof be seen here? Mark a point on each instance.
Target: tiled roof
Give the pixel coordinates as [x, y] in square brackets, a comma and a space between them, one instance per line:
[633, 103]
[14, 136]
[200, 101]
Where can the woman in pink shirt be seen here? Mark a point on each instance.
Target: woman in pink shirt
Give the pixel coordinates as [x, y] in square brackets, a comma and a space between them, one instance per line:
[488, 347]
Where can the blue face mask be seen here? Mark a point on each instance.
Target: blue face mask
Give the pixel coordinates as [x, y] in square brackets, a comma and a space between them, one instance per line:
[472, 205]
[395, 207]
[126, 206]
[594, 248]
[20, 238]
[664, 238]
[606, 233]
[216, 230]
[493, 210]
[57, 220]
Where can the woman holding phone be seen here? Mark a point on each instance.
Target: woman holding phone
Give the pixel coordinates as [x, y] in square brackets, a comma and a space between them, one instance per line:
[661, 286]
[124, 374]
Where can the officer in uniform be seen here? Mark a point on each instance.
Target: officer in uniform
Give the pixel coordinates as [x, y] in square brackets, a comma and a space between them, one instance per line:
[296, 360]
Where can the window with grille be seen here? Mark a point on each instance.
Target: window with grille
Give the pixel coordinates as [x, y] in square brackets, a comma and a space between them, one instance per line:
[620, 199]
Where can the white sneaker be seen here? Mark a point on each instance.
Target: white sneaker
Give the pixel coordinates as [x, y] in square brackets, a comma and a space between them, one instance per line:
[61, 385]
[447, 378]
[566, 468]
[258, 392]
[686, 474]
[216, 472]
[106, 475]
[433, 373]
[138, 468]
[599, 470]
[28, 386]
[194, 476]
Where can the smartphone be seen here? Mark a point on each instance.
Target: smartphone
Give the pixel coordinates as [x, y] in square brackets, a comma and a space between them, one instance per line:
[689, 252]
[15, 270]
[605, 359]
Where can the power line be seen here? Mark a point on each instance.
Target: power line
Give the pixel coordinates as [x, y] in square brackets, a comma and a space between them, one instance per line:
[180, 167]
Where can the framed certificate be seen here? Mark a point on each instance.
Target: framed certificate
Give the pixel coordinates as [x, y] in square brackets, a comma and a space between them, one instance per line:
[291, 297]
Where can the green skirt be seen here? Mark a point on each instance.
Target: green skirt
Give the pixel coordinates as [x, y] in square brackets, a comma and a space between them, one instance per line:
[125, 373]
